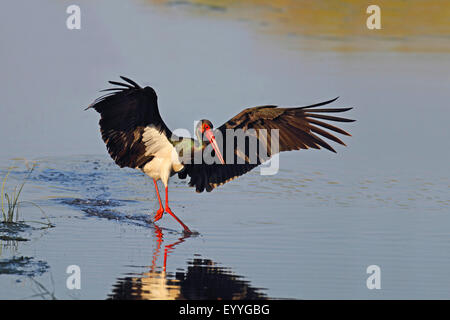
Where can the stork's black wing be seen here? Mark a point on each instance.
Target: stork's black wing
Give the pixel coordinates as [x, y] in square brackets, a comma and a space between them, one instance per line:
[125, 115]
[298, 128]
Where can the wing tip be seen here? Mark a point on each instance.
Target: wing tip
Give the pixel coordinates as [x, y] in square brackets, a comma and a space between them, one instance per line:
[131, 82]
[121, 87]
[319, 104]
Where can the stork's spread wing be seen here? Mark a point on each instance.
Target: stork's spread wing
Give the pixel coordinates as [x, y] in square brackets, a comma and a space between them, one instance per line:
[130, 122]
[298, 128]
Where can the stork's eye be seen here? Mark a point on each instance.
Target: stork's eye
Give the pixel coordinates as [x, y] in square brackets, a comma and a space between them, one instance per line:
[205, 127]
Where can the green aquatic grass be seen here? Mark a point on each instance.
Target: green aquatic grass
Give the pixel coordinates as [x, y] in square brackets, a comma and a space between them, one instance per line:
[10, 201]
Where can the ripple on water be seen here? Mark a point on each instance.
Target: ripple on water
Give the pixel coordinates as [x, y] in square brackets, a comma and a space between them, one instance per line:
[23, 266]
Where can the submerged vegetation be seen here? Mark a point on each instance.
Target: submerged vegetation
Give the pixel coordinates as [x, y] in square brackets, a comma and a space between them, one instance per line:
[10, 202]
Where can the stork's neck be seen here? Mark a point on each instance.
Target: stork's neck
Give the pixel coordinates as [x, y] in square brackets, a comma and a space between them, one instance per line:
[200, 143]
[189, 143]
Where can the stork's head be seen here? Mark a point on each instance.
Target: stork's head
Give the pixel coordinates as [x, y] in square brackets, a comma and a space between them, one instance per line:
[205, 129]
[203, 126]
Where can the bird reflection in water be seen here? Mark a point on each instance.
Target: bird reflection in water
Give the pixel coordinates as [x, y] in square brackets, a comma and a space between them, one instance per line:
[202, 279]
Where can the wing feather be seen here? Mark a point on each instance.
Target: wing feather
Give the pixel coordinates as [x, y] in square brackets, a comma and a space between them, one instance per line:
[298, 128]
[125, 114]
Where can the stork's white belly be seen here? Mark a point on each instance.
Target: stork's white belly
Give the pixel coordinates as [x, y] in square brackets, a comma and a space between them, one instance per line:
[156, 168]
[162, 166]
[165, 161]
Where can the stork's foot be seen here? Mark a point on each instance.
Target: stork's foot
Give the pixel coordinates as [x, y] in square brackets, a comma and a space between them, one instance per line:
[186, 229]
[159, 214]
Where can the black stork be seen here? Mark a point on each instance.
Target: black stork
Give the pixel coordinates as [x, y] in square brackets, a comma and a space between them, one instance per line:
[137, 137]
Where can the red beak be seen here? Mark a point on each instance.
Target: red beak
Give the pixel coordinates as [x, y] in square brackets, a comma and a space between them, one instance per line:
[210, 135]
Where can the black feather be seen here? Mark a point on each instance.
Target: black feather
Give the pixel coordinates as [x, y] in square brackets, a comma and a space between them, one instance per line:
[318, 104]
[130, 81]
[124, 115]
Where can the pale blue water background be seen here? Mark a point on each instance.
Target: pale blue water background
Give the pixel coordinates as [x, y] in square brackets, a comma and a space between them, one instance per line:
[307, 233]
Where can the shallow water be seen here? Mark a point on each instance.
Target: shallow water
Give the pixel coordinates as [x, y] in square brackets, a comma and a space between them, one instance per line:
[296, 235]
[308, 232]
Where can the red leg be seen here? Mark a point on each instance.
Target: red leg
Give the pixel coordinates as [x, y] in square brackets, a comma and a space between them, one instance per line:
[160, 211]
[186, 229]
